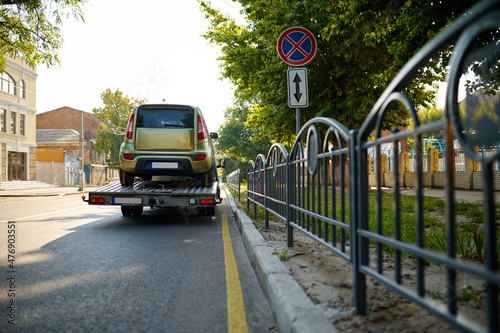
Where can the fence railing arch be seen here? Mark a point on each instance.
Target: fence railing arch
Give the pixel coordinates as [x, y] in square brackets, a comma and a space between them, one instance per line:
[276, 182]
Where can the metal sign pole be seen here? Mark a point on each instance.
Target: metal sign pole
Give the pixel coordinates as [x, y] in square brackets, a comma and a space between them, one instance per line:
[297, 121]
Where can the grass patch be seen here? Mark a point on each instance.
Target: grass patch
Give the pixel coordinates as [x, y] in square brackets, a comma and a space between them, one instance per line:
[469, 239]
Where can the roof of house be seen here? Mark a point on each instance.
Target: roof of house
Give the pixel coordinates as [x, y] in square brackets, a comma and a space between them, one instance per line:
[64, 108]
[57, 136]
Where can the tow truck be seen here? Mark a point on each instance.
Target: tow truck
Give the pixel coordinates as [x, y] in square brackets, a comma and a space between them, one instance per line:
[185, 192]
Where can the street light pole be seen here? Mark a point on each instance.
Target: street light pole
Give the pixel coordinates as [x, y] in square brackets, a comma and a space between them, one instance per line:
[80, 171]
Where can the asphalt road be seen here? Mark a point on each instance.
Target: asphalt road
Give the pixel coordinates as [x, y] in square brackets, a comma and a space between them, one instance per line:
[80, 268]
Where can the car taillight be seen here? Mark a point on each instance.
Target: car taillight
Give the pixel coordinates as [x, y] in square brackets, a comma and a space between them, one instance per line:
[201, 157]
[127, 156]
[201, 129]
[130, 125]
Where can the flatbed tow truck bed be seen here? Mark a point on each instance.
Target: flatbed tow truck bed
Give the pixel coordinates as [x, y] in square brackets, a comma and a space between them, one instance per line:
[132, 199]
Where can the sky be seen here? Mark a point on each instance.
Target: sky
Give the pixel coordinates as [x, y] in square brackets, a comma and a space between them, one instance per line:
[153, 50]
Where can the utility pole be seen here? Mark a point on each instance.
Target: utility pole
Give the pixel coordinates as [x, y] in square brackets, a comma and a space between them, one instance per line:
[80, 170]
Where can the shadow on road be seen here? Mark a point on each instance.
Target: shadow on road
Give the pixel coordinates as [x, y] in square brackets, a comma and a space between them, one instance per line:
[155, 272]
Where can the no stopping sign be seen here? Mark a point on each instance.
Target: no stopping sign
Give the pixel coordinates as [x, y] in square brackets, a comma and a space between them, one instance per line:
[296, 46]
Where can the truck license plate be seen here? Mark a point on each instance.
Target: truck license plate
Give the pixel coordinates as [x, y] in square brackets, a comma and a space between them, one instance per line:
[127, 201]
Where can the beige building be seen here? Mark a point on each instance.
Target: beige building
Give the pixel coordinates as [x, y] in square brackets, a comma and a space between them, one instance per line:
[17, 121]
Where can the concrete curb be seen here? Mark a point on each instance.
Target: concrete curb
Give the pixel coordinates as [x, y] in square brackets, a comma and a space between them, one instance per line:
[292, 308]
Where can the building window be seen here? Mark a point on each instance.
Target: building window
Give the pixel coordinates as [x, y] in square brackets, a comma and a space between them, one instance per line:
[21, 124]
[7, 83]
[22, 88]
[12, 123]
[3, 119]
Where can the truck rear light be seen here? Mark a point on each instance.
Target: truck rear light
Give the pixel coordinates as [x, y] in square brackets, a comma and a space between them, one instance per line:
[201, 157]
[97, 200]
[201, 129]
[207, 201]
[127, 156]
[130, 125]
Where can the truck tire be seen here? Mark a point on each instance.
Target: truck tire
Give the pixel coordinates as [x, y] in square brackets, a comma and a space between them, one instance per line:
[210, 211]
[132, 210]
[206, 211]
[126, 178]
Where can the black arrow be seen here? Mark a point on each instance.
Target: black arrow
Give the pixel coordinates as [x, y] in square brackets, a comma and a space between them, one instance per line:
[297, 81]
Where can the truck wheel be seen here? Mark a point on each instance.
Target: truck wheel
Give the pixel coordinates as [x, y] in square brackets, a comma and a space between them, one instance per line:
[132, 210]
[126, 178]
[210, 211]
[206, 211]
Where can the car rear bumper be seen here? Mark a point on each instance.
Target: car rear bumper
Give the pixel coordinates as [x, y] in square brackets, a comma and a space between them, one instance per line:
[175, 166]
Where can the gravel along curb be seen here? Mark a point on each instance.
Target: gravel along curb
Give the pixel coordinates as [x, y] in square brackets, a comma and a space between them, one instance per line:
[292, 308]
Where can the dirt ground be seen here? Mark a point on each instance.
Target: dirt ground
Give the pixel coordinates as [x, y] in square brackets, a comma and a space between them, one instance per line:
[327, 280]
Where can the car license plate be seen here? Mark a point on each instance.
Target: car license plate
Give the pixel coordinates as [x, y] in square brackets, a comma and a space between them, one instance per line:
[164, 165]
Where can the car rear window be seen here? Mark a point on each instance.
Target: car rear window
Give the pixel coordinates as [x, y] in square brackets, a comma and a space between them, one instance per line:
[151, 117]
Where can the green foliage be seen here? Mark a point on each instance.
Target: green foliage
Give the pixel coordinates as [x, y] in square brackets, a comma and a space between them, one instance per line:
[485, 65]
[471, 246]
[433, 204]
[114, 117]
[436, 240]
[430, 115]
[243, 195]
[283, 256]
[480, 119]
[239, 143]
[230, 166]
[29, 29]
[362, 45]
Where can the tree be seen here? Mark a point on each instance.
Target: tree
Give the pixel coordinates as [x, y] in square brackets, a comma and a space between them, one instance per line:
[29, 29]
[239, 143]
[362, 44]
[425, 117]
[114, 118]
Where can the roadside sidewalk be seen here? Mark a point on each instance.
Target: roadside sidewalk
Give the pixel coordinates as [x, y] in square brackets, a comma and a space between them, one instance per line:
[472, 196]
[47, 191]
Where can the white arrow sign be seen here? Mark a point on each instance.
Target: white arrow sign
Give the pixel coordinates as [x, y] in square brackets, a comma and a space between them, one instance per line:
[297, 88]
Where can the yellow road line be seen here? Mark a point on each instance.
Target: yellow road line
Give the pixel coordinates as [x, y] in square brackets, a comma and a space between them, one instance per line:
[236, 317]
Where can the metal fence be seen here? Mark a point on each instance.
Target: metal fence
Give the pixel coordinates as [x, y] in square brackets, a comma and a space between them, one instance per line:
[233, 180]
[320, 187]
